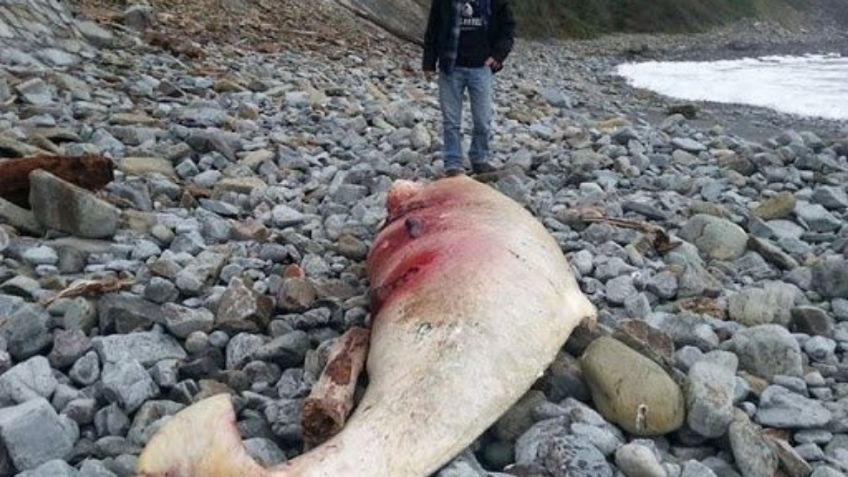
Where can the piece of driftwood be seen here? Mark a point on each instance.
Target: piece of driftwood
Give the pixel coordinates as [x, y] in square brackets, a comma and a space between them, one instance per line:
[91, 172]
[91, 288]
[655, 236]
[198, 192]
[326, 409]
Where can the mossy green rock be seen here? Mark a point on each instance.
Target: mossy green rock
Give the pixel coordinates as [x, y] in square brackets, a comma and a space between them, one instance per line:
[777, 207]
[716, 238]
[631, 390]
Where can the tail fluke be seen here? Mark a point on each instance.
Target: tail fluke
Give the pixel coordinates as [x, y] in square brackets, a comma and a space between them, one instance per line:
[202, 440]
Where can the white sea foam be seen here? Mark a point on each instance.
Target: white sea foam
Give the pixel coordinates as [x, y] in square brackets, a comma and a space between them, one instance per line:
[813, 85]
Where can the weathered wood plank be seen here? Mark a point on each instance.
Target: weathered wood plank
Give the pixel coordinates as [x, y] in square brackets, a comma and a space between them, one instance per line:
[91, 172]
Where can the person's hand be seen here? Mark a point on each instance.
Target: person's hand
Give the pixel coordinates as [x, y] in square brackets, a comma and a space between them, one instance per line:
[493, 64]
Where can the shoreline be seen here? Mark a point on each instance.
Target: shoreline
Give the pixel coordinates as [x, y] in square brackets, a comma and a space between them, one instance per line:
[597, 59]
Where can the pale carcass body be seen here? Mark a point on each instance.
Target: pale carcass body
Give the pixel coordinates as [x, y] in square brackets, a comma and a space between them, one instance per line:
[471, 300]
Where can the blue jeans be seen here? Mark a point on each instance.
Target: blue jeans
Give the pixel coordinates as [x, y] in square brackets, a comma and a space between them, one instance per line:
[452, 87]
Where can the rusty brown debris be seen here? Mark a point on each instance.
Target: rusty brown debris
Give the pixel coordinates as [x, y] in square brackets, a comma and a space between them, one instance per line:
[91, 172]
[326, 409]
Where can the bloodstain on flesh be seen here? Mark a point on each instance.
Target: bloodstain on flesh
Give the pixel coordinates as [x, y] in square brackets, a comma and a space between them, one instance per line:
[427, 229]
[405, 275]
[409, 245]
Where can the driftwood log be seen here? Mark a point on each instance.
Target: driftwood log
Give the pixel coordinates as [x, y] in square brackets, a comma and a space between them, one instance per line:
[326, 409]
[91, 172]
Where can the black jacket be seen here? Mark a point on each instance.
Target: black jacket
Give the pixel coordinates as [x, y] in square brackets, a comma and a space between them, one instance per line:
[436, 38]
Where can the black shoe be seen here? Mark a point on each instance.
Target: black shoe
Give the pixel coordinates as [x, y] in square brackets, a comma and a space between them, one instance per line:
[454, 171]
[483, 168]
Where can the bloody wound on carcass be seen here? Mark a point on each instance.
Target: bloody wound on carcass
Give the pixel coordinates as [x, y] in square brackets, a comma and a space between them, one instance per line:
[410, 218]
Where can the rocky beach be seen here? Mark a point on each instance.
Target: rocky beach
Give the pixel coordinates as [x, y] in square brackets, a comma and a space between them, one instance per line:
[252, 159]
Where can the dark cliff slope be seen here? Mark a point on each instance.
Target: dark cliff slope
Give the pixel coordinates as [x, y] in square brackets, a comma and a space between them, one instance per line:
[405, 18]
[587, 18]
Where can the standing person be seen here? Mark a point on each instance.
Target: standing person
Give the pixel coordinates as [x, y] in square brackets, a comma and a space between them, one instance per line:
[470, 40]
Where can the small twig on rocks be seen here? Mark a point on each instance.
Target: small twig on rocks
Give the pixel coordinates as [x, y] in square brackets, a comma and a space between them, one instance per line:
[703, 305]
[656, 237]
[198, 192]
[305, 32]
[91, 287]
[331, 400]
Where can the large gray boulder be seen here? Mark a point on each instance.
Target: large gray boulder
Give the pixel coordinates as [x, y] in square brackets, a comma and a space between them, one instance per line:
[33, 434]
[771, 303]
[709, 393]
[716, 238]
[404, 18]
[60, 205]
[766, 351]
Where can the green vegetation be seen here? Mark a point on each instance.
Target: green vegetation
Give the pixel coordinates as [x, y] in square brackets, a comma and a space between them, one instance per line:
[581, 18]
[588, 18]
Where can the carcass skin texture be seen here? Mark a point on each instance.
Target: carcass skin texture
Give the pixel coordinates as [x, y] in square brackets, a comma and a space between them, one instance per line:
[471, 300]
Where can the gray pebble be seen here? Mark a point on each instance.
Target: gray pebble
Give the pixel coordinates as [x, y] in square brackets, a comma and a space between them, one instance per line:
[93, 468]
[160, 290]
[41, 255]
[619, 289]
[128, 384]
[766, 350]
[81, 410]
[197, 342]
[31, 379]
[86, 370]
[819, 348]
[638, 461]
[686, 357]
[147, 347]
[817, 436]
[810, 452]
[34, 434]
[781, 408]
[111, 421]
[826, 471]
[219, 339]
[604, 439]
[265, 451]
[165, 373]
[182, 321]
[53, 468]
[709, 391]
[792, 383]
[693, 468]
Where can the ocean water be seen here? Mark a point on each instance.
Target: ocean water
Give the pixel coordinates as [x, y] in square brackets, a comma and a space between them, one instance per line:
[810, 86]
